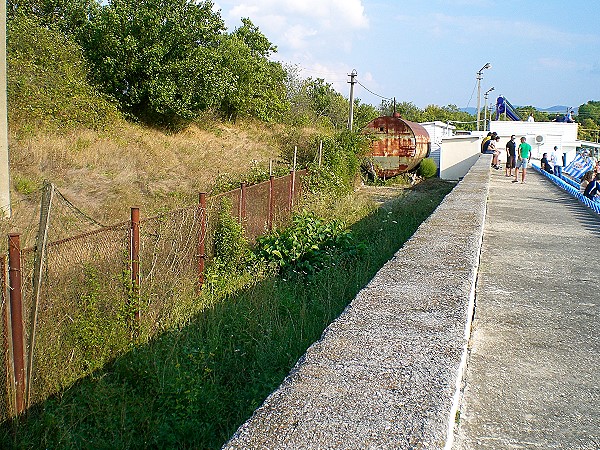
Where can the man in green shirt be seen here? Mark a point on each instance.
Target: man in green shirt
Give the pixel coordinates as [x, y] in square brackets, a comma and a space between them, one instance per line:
[524, 153]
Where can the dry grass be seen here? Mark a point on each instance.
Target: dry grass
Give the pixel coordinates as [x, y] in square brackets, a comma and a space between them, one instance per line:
[106, 172]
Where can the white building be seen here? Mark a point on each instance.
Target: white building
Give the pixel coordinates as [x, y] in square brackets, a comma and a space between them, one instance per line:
[437, 131]
[542, 136]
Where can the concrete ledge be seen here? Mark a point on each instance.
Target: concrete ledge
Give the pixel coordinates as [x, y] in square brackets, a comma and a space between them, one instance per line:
[387, 372]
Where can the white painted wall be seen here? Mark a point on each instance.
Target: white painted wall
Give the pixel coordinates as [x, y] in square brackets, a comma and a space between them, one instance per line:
[457, 155]
[560, 134]
[437, 130]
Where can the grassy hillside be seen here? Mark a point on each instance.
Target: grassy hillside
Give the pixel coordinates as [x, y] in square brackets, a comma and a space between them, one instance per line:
[62, 130]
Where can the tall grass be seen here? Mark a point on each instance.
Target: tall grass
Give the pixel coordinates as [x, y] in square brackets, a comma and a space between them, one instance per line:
[192, 387]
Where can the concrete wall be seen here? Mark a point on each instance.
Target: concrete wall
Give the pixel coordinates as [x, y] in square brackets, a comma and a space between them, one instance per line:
[457, 155]
[387, 372]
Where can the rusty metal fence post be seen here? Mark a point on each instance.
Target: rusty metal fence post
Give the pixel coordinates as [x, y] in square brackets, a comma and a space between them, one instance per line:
[242, 208]
[271, 203]
[291, 191]
[293, 181]
[201, 239]
[135, 262]
[16, 319]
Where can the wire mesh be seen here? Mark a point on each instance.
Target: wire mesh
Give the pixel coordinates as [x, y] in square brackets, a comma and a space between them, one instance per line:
[168, 265]
[81, 319]
[86, 303]
[5, 391]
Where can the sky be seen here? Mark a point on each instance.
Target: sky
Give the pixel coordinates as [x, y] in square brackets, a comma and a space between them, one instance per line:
[542, 52]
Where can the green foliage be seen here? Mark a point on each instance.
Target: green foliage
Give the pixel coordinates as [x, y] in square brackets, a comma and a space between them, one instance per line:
[95, 335]
[157, 59]
[342, 156]
[409, 111]
[24, 185]
[47, 81]
[69, 16]
[589, 110]
[589, 117]
[193, 387]
[310, 244]
[256, 85]
[230, 244]
[363, 114]
[314, 102]
[427, 168]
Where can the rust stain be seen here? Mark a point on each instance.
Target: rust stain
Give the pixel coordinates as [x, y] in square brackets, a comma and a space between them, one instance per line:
[405, 141]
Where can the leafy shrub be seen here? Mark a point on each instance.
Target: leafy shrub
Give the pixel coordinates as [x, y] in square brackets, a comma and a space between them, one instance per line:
[427, 168]
[47, 81]
[307, 246]
[342, 156]
[230, 244]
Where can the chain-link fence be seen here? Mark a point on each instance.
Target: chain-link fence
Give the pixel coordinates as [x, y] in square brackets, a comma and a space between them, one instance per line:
[91, 302]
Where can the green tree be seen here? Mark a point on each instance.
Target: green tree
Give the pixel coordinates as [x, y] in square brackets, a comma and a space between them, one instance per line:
[156, 57]
[590, 110]
[47, 81]
[257, 85]
[69, 16]
[314, 101]
[363, 114]
[407, 110]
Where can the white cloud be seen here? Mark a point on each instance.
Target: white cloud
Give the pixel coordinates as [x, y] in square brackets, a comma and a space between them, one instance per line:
[332, 13]
[298, 24]
[296, 36]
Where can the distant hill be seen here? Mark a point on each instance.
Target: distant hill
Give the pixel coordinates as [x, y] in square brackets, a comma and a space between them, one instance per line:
[559, 109]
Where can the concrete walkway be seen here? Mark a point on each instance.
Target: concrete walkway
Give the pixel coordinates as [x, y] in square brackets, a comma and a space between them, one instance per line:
[533, 376]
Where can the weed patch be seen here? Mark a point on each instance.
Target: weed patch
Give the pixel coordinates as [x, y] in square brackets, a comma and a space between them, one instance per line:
[193, 386]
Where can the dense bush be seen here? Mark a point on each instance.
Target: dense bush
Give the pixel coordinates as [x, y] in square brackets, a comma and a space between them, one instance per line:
[307, 246]
[427, 168]
[47, 81]
[230, 245]
[342, 156]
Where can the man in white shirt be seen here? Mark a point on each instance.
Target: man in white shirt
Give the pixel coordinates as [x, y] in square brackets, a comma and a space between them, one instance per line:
[556, 161]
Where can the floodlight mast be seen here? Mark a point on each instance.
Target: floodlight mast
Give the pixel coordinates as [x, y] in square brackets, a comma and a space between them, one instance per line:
[485, 96]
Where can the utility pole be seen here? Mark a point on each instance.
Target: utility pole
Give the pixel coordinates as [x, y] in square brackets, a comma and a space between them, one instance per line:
[352, 83]
[4, 171]
[479, 78]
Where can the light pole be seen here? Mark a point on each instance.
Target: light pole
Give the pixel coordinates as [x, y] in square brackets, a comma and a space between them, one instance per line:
[479, 78]
[485, 96]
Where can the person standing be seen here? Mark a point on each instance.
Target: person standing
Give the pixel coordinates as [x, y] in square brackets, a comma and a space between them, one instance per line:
[524, 157]
[556, 161]
[495, 151]
[511, 156]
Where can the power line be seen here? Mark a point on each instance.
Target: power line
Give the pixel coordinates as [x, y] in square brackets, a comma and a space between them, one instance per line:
[377, 95]
[474, 87]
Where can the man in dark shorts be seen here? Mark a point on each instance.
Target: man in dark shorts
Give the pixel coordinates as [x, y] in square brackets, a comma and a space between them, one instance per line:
[511, 154]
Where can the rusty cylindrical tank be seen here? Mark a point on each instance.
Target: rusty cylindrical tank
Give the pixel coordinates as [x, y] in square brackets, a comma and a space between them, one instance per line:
[399, 145]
